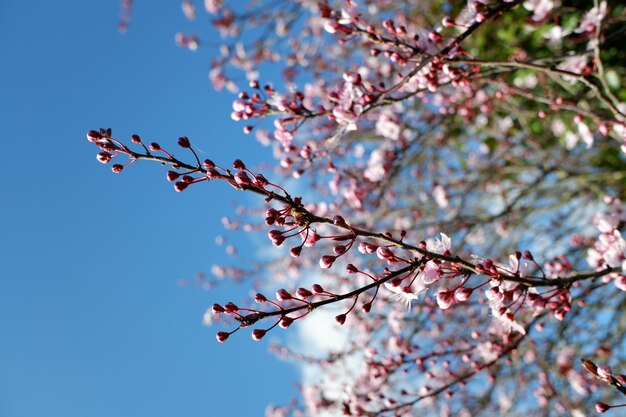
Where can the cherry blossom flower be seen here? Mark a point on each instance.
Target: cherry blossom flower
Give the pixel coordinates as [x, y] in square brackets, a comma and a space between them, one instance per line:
[540, 8]
[440, 245]
[406, 294]
[592, 18]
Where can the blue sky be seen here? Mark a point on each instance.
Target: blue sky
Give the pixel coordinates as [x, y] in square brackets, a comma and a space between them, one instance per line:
[92, 319]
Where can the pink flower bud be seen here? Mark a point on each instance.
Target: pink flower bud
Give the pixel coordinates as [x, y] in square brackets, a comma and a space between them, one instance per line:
[602, 407]
[384, 252]
[104, 157]
[217, 309]
[180, 186]
[295, 252]
[527, 255]
[231, 307]
[462, 293]
[304, 293]
[135, 139]
[239, 165]
[94, 136]
[242, 178]
[339, 221]
[340, 319]
[172, 176]
[445, 299]
[604, 371]
[448, 22]
[222, 336]
[212, 174]
[155, 147]
[351, 269]
[367, 248]
[276, 236]
[366, 307]
[183, 142]
[285, 322]
[283, 295]
[327, 261]
[339, 249]
[208, 164]
[260, 180]
[260, 298]
[117, 168]
[317, 289]
[257, 334]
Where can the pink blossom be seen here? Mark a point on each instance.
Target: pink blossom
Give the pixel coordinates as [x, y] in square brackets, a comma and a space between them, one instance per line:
[540, 8]
[430, 273]
[406, 294]
[441, 245]
[592, 18]
[445, 299]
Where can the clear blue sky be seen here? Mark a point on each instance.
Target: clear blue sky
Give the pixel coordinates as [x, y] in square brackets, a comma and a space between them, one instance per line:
[93, 322]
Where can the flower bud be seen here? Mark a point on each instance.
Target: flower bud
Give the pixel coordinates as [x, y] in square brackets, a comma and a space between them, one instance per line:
[283, 295]
[231, 307]
[257, 334]
[155, 147]
[604, 372]
[602, 407]
[351, 269]
[285, 322]
[180, 186]
[135, 139]
[303, 293]
[462, 293]
[317, 289]
[94, 136]
[340, 319]
[239, 165]
[327, 261]
[183, 142]
[117, 168]
[104, 157]
[222, 336]
[339, 249]
[217, 309]
[172, 176]
[260, 298]
[295, 252]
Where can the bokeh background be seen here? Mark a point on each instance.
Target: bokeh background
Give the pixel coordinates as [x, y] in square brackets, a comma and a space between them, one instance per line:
[93, 319]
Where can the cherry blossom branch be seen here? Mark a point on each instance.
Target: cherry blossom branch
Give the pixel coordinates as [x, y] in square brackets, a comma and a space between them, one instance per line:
[587, 80]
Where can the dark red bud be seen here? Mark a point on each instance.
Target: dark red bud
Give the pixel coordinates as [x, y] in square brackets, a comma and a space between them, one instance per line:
[257, 334]
[317, 289]
[183, 142]
[180, 186]
[239, 165]
[94, 136]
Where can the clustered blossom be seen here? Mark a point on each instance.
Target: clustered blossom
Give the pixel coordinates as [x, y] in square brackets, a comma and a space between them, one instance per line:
[610, 247]
[452, 156]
